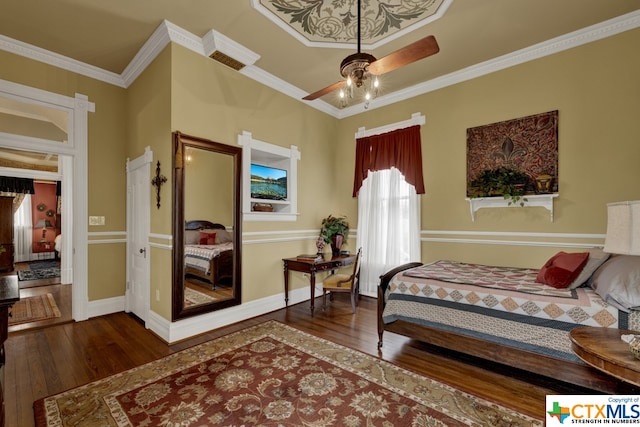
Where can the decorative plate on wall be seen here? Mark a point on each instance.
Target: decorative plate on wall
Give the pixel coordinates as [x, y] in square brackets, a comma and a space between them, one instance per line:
[41, 207]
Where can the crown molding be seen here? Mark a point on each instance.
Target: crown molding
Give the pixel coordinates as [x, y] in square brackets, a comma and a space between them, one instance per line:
[168, 32]
[149, 51]
[60, 61]
[577, 38]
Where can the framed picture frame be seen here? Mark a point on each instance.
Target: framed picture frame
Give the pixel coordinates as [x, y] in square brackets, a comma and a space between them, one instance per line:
[526, 145]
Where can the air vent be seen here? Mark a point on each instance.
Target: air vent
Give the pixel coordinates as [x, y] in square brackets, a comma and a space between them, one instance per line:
[226, 60]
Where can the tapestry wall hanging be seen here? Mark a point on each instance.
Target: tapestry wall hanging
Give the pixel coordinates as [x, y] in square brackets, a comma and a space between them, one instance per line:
[523, 146]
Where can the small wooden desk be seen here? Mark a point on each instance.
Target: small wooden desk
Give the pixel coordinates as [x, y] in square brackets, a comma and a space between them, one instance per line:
[311, 267]
[603, 349]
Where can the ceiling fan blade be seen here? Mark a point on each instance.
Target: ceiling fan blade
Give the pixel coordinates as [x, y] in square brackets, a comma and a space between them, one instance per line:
[415, 51]
[324, 91]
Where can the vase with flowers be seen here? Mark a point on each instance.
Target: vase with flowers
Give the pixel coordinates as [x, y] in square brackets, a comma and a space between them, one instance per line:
[334, 230]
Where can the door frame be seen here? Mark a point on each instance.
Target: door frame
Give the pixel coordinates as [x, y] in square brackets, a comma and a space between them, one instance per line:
[74, 171]
[143, 161]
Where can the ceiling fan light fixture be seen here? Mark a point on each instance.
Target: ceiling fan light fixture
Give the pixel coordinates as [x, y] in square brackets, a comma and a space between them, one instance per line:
[359, 69]
[355, 69]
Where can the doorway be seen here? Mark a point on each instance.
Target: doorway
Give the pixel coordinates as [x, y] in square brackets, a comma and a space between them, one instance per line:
[21, 104]
[138, 213]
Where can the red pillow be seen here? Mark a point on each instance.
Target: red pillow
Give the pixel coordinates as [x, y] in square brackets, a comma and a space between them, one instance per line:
[207, 238]
[562, 269]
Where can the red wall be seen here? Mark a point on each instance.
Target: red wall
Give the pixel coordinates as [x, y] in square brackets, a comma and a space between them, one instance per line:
[45, 194]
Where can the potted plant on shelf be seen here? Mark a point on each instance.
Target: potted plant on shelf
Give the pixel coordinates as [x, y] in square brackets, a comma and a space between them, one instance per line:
[510, 183]
[334, 230]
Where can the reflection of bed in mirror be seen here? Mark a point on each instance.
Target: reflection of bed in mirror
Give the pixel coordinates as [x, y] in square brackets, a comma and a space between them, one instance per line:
[208, 252]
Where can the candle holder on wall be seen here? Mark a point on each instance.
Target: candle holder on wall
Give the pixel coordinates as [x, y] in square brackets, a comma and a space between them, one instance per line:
[157, 182]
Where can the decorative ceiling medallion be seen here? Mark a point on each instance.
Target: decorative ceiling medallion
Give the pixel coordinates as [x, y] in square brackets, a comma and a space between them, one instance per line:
[319, 22]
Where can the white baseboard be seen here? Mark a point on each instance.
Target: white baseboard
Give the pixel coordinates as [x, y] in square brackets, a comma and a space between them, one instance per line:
[105, 306]
[172, 332]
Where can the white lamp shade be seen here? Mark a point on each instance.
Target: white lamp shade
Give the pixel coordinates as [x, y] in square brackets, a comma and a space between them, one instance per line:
[623, 228]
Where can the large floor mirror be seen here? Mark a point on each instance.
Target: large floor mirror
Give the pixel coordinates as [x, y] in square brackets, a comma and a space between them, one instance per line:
[206, 226]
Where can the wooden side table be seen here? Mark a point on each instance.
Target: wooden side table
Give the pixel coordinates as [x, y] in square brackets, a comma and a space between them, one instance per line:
[311, 267]
[603, 349]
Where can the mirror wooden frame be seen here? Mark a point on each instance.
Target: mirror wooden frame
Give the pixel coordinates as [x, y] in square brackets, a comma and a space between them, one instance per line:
[180, 142]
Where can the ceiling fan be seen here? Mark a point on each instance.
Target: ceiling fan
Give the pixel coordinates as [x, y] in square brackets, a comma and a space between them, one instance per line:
[358, 67]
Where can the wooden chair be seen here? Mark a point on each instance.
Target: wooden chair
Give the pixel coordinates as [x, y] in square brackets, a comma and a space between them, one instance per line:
[337, 282]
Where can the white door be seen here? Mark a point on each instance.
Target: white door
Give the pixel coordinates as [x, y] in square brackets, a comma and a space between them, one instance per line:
[138, 200]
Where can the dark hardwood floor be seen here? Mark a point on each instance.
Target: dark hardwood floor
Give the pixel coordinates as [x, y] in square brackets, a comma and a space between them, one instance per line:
[44, 361]
[221, 292]
[61, 294]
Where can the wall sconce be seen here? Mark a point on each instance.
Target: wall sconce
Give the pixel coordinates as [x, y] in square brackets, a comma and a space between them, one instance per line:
[157, 182]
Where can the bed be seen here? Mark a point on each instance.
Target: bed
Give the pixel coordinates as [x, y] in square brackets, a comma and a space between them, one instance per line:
[208, 252]
[505, 315]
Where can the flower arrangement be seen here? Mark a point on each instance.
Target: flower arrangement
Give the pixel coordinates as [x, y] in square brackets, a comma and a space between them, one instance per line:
[334, 225]
[334, 231]
[510, 183]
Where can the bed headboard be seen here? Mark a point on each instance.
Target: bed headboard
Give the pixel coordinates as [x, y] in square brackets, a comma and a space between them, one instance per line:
[200, 224]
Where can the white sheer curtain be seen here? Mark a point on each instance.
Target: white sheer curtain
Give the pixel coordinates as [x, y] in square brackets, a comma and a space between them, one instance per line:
[388, 225]
[23, 231]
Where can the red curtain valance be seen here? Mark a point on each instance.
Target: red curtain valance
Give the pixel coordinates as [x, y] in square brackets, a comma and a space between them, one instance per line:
[399, 148]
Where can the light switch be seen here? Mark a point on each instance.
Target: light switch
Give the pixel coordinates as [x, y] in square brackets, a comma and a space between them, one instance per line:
[96, 220]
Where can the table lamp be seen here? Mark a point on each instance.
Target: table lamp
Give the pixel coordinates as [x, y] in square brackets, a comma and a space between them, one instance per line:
[623, 228]
[44, 224]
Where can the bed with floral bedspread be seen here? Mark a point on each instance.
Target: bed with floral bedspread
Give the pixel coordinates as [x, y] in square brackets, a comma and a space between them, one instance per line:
[208, 252]
[464, 306]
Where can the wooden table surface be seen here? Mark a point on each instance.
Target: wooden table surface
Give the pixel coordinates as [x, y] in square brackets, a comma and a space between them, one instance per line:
[603, 349]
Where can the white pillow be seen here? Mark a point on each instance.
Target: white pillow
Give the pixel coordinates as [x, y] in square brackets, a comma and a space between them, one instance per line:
[617, 281]
[597, 257]
[223, 236]
[191, 237]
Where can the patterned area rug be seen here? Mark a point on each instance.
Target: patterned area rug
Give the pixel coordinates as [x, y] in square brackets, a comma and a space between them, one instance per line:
[32, 309]
[193, 297]
[43, 273]
[37, 270]
[270, 374]
[39, 265]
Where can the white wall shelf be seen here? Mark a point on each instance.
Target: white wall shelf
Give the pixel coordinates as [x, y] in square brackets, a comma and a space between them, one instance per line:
[254, 151]
[542, 200]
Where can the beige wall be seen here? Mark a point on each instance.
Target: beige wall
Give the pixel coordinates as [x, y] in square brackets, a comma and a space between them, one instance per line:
[106, 159]
[149, 125]
[212, 101]
[597, 92]
[208, 187]
[594, 87]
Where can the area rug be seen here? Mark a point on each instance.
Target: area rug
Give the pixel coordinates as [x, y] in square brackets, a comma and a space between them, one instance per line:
[39, 265]
[193, 297]
[43, 273]
[32, 309]
[270, 374]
